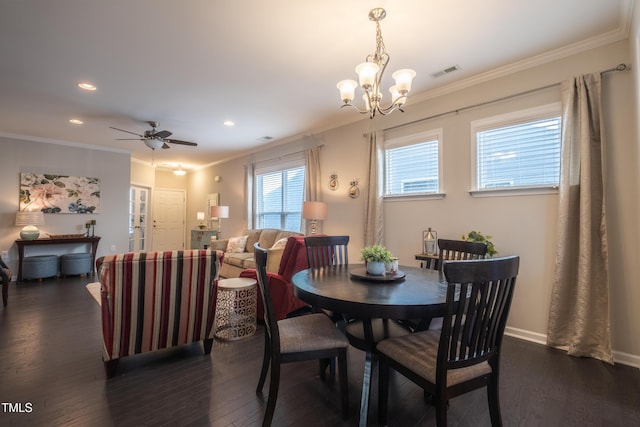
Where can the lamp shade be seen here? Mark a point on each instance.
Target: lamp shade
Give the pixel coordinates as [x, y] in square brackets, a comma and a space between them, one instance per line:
[200, 216]
[315, 210]
[29, 218]
[219, 211]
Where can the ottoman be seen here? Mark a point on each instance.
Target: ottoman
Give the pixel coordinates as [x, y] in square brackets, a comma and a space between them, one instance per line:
[74, 264]
[40, 266]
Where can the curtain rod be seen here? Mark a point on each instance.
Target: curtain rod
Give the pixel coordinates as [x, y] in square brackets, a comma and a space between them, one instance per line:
[619, 67]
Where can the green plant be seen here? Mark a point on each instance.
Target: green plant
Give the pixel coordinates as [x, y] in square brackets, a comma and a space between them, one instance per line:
[476, 236]
[375, 253]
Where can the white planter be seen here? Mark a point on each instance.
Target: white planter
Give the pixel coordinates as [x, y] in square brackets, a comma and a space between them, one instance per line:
[375, 268]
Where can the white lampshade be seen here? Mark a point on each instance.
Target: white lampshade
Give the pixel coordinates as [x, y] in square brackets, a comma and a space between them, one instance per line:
[347, 90]
[200, 216]
[29, 220]
[403, 80]
[396, 96]
[367, 73]
[219, 211]
[154, 144]
[315, 210]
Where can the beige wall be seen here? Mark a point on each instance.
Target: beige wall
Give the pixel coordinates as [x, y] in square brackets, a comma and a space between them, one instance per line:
[31, 156]
[522, 225]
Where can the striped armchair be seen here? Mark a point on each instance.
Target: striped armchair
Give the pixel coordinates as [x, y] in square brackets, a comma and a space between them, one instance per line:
[156, 300]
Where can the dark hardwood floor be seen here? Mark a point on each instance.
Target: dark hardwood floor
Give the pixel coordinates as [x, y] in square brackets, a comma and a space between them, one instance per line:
[50, 362]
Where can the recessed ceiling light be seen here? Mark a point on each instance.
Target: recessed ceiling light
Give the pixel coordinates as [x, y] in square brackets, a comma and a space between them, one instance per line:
[76, 121]
[86, 86]
[229, 123]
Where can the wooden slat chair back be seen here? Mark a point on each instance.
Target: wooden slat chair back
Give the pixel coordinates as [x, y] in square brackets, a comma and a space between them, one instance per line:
[323, 251]
[458, 250]
[465, 355]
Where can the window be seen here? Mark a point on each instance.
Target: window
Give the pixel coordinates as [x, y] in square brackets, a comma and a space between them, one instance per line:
[519, 150]
[279, 190]
[412, 164]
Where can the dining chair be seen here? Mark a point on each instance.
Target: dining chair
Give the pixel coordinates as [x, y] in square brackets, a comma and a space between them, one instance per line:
[448, 250]
[309, 337]
[465, 355]
[5, 279]
[323, 251]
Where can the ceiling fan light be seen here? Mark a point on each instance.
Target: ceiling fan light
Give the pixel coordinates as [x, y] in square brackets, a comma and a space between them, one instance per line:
[154, 144]
[403, 80]
[347, 90]
[367, 73]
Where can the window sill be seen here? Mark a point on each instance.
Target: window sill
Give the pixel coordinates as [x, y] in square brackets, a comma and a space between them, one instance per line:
[521, 191]
[411, 197]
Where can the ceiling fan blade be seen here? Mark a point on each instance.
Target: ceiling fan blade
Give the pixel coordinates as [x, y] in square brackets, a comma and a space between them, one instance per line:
[122, 130]
[162, 134]
[177, 141]
[130, 139]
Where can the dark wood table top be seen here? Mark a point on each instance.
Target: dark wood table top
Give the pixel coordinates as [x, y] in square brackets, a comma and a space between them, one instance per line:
[420, 293]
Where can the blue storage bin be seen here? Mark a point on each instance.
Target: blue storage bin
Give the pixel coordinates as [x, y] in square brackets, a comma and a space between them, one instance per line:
[74, 264]
[40, 266]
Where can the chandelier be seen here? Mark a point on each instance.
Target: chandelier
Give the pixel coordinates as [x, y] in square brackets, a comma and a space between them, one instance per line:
[370, 76]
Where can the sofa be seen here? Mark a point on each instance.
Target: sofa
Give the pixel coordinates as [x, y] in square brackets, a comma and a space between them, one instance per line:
[238, 251]
[293, 259]
[156, 300]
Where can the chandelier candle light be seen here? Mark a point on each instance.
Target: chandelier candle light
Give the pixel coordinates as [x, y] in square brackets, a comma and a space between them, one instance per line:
[370, 75]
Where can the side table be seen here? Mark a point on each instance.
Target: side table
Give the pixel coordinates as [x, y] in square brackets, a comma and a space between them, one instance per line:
[236, 308]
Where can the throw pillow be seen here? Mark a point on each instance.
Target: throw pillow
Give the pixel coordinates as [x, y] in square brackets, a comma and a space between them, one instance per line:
[237, 244]
[280, 244]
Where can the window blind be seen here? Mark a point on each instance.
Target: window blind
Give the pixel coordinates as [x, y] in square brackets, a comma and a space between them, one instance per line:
[412, 169]
[519, 155]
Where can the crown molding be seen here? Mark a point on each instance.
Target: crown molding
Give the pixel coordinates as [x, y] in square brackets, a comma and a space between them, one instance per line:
[60, 142]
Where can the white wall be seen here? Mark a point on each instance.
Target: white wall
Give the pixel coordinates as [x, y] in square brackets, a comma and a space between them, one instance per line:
[522, 225]
[31, 156]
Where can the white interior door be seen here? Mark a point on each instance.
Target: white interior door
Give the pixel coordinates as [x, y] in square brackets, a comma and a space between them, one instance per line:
[138, 218]
[168, 219]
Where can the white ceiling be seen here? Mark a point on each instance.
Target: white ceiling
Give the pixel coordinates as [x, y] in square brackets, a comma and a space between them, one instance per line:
[270, 66]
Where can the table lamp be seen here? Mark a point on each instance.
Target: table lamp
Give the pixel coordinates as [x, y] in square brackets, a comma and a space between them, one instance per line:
[315, 211]
[200, 217]
[219, 212]
[29, 220]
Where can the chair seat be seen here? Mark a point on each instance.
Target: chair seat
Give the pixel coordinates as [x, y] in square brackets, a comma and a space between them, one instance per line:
[295, 333]
[420, 352]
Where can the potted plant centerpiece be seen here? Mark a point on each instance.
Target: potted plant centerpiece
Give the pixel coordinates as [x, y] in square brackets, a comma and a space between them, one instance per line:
[376, 256]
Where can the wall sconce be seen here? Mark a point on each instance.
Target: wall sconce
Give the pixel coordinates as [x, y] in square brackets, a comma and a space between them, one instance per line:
[315, 211]
[354, 191]
[219, 212]
[333, 182]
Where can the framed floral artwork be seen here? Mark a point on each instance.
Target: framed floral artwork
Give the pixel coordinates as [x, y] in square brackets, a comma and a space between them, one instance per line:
[59, 193]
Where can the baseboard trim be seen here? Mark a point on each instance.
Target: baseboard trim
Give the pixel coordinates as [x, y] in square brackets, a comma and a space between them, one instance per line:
[620, 357]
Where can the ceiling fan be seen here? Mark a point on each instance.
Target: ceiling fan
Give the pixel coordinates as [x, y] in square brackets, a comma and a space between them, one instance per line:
[154, 139]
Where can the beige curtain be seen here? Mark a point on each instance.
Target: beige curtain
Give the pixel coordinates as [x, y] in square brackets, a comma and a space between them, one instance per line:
[248, 195]
[374, 215]
[312, 183]
[579, 312]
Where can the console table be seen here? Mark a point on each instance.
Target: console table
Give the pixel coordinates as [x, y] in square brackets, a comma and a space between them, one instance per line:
[429, 261]
[92, 241]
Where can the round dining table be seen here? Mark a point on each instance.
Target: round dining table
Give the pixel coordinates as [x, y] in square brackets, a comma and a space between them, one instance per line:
[410, 293]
